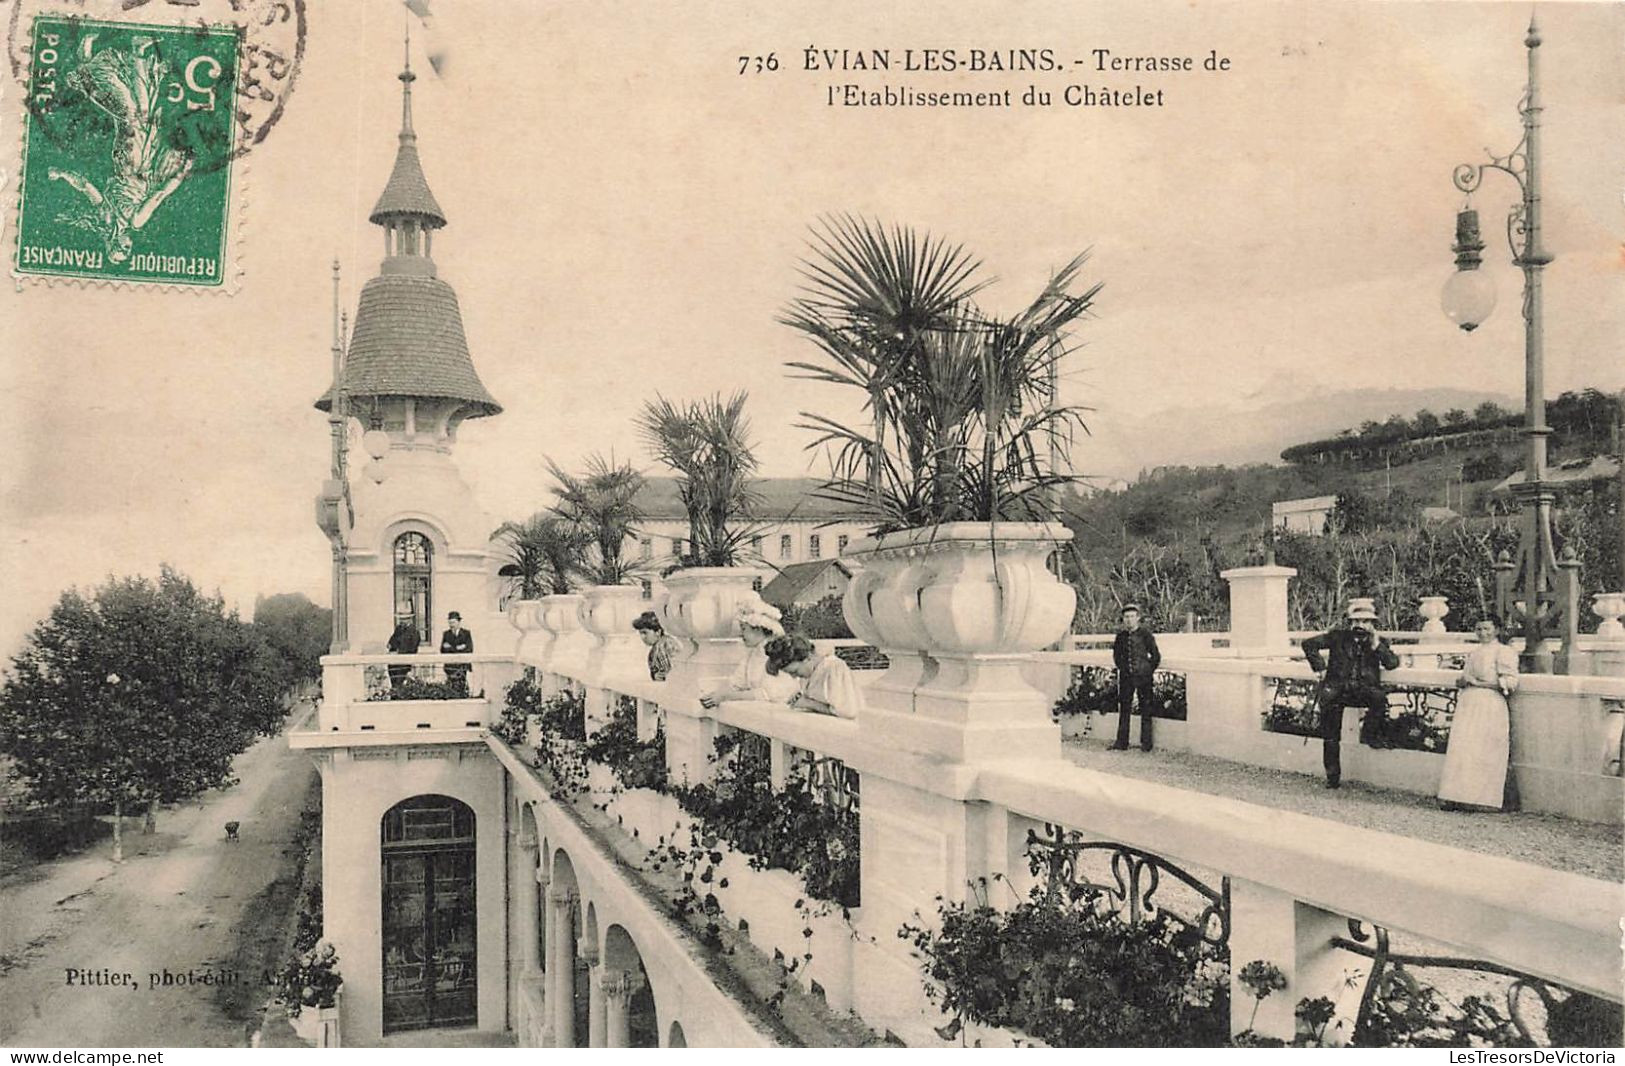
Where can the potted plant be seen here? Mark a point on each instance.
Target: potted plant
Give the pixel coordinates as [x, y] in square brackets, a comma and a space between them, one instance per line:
[545, 554]
[706, 443]
[602, 505]
[958, 470]
[308, 988]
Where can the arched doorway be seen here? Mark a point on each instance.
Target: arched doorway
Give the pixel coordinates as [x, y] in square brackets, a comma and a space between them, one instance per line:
[429, 930]
[414, 582]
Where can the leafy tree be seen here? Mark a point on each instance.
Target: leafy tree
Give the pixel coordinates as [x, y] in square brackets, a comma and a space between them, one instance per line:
[137, 695]
[1424, 424]
[823, 620]
[298, 630]
[1489, 413]
[1456, 418]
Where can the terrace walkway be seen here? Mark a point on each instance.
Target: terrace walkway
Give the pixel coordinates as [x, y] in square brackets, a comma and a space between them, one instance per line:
[1584, 848]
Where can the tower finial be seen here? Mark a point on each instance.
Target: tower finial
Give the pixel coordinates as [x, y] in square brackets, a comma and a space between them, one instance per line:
[338, 339]
[407, 78]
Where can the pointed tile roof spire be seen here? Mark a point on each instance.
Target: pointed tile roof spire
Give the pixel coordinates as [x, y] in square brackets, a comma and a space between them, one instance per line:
[408, 339]
[407, 194]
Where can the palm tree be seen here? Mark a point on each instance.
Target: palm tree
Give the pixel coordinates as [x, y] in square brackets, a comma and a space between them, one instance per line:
[959, 401]
[602, 505]
[707, 443]
[545, 555]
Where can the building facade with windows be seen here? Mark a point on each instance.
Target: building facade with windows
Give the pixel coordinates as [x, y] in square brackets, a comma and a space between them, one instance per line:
[792, 525]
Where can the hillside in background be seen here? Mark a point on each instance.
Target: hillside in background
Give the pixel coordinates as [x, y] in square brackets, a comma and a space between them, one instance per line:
[1231, 435]
[1163, 538]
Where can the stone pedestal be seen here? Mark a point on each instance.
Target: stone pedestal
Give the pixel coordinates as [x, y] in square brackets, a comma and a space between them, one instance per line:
[1258, 625]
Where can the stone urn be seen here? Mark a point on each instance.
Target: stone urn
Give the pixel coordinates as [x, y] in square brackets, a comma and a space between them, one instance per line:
[701, 610]
[1609, 606]
[1433, 609]
[567, 643]
[607, 612]
[957, 607]
[526, 616]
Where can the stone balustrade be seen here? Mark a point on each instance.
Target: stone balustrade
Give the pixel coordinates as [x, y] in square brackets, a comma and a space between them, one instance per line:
[1566, 729]
[357, 691]
[930, 826]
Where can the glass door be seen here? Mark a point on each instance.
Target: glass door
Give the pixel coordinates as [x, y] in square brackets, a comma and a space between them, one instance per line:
[429, 927]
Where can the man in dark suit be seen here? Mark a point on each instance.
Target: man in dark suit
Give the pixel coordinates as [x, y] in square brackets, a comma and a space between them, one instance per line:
[404, 641]
[1353, 679]
[456, 641]
[1136, 655]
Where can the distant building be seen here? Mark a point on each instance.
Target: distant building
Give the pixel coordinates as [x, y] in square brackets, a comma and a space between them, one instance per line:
[1308, 515]
[805, 583]
[791, 525]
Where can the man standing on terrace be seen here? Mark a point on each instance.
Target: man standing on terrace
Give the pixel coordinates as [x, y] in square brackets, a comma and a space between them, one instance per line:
[1353, 679]
[1136, 656]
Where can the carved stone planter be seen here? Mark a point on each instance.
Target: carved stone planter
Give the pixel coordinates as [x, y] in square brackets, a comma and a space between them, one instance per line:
[701, 610]
[1609, 606]
[955, 607]
[1433, 609]
[567, 642]
[607, 612]
[526, 616]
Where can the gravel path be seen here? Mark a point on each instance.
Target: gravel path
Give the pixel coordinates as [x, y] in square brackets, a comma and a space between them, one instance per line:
[1540, 839]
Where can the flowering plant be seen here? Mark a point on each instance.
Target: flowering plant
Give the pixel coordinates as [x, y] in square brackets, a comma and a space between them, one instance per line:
[310, 979]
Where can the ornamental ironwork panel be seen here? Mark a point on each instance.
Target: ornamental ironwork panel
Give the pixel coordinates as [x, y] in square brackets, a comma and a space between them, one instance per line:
[830, 781]
[1094, 690]
[1418, 719]
[1396, 1008]
[1136, 878]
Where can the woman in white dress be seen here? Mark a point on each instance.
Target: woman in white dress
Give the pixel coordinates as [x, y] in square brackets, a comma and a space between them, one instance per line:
[827, 685]
[758, 623]
[1475, 760]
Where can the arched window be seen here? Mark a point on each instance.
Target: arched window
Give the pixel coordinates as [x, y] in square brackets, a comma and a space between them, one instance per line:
[414, 572]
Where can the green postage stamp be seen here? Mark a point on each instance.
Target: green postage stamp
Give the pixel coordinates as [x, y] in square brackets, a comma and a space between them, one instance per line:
[128, 151]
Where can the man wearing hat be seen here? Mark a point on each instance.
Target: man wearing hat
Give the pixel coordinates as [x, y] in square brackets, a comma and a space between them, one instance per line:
[1353, 679]
[1136, 656]
[456, 641]
[404, 641]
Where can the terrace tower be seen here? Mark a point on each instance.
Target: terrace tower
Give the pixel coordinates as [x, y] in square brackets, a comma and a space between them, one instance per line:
[420, 544]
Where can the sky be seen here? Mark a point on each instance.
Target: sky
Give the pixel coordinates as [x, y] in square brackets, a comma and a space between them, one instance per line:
[627, 211]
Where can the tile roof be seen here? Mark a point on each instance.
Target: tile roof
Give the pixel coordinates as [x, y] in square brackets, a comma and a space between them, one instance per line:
[791, 581]
[777, 497]
[408, 191]
[409, 341]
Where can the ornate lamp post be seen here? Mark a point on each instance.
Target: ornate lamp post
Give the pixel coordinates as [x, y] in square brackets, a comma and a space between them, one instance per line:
[1468, 298]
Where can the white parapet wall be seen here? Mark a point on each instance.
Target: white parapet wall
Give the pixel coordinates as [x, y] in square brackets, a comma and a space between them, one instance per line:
[1566, 730]
[930, 826]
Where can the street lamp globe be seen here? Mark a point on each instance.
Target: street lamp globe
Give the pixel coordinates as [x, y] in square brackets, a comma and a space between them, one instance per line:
[376, 441]
[1468, 298]
[377, 471]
